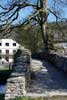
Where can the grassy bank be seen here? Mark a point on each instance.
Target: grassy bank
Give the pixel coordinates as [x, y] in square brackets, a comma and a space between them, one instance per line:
[20, 98]
[1, 96]
[5, 71]
[42, 98]
[4, 68]
[26, 98]
[37, 98]
[4, 74]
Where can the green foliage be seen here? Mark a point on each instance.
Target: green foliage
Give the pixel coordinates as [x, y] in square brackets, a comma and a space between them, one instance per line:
[29, 38]
[26, 98]
[4, 68]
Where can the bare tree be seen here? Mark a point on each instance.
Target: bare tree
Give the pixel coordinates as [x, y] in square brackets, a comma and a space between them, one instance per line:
[39, 14]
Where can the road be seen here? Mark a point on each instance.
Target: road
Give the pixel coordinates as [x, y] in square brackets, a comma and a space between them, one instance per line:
[48, 81]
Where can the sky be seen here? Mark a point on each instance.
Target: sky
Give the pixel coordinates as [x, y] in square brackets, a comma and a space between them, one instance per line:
[25, 12]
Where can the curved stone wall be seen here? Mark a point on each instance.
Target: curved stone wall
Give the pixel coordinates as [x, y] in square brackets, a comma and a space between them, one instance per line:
[20, 76]
[58, 60]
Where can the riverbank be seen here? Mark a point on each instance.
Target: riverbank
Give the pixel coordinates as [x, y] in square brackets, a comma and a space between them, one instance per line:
[42, 98]
[4, 74]
[37, 98]
[1, 96]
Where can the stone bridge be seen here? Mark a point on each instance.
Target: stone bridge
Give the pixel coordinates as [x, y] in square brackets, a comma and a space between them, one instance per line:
[34, 78]
[19, 79]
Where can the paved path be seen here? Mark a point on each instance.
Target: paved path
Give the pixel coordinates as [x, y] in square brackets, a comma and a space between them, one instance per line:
[48, 81]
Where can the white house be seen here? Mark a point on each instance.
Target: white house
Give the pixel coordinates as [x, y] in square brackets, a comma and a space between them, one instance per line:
[63, 46]
[7, 49]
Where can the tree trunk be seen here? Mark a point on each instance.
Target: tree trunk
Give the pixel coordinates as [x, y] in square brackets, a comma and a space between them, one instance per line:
[43, 22]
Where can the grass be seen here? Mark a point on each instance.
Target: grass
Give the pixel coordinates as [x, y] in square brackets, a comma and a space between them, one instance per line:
[20, 98]
[36, 98]
[42, 98]
[4, 68]
[26, 98]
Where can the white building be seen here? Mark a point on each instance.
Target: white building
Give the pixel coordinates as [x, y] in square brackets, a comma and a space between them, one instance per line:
[7, 49]
[62, 46]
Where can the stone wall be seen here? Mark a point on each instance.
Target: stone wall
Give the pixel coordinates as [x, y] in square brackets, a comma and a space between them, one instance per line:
[20, 76]
[15, 87]
[57, 59]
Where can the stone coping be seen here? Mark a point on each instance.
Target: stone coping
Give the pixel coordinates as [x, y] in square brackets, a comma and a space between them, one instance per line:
[59, 54]
[15, 74]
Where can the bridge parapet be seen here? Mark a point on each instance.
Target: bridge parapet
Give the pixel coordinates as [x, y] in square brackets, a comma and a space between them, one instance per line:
[20, 76]
[59, 60]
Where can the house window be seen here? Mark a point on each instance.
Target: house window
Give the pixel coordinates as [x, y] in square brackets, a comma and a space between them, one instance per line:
[0, 44]
[7, 44]
[7, 58]
[14, 44]
[14, 51]
[0, 57]
[7, 51]
[0, 51]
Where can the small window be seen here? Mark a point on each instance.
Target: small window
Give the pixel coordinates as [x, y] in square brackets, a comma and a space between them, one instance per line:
[7, 51]
[0, 44]
[0, 57]
[14, 51]
[7, 58]
[14, 44]
[0, 51]
[7, 44]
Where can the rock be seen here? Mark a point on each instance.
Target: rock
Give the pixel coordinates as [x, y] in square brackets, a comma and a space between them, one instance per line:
[36, 65]
[15, 87]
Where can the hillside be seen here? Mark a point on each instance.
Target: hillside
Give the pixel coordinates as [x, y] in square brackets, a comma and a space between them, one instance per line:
[30, 37]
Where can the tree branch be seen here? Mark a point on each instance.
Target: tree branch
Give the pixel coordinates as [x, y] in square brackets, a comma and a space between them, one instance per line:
[57, 16]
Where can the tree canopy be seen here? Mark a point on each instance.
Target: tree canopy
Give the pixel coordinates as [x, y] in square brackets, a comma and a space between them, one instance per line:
[31, 12]
[11, 9]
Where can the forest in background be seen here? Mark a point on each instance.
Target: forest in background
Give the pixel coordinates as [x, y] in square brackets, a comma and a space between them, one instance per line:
[31, 37]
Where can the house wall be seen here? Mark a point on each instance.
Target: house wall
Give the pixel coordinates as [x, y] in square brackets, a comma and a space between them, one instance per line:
[61, 47]
[64, 45]
[12, 48]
